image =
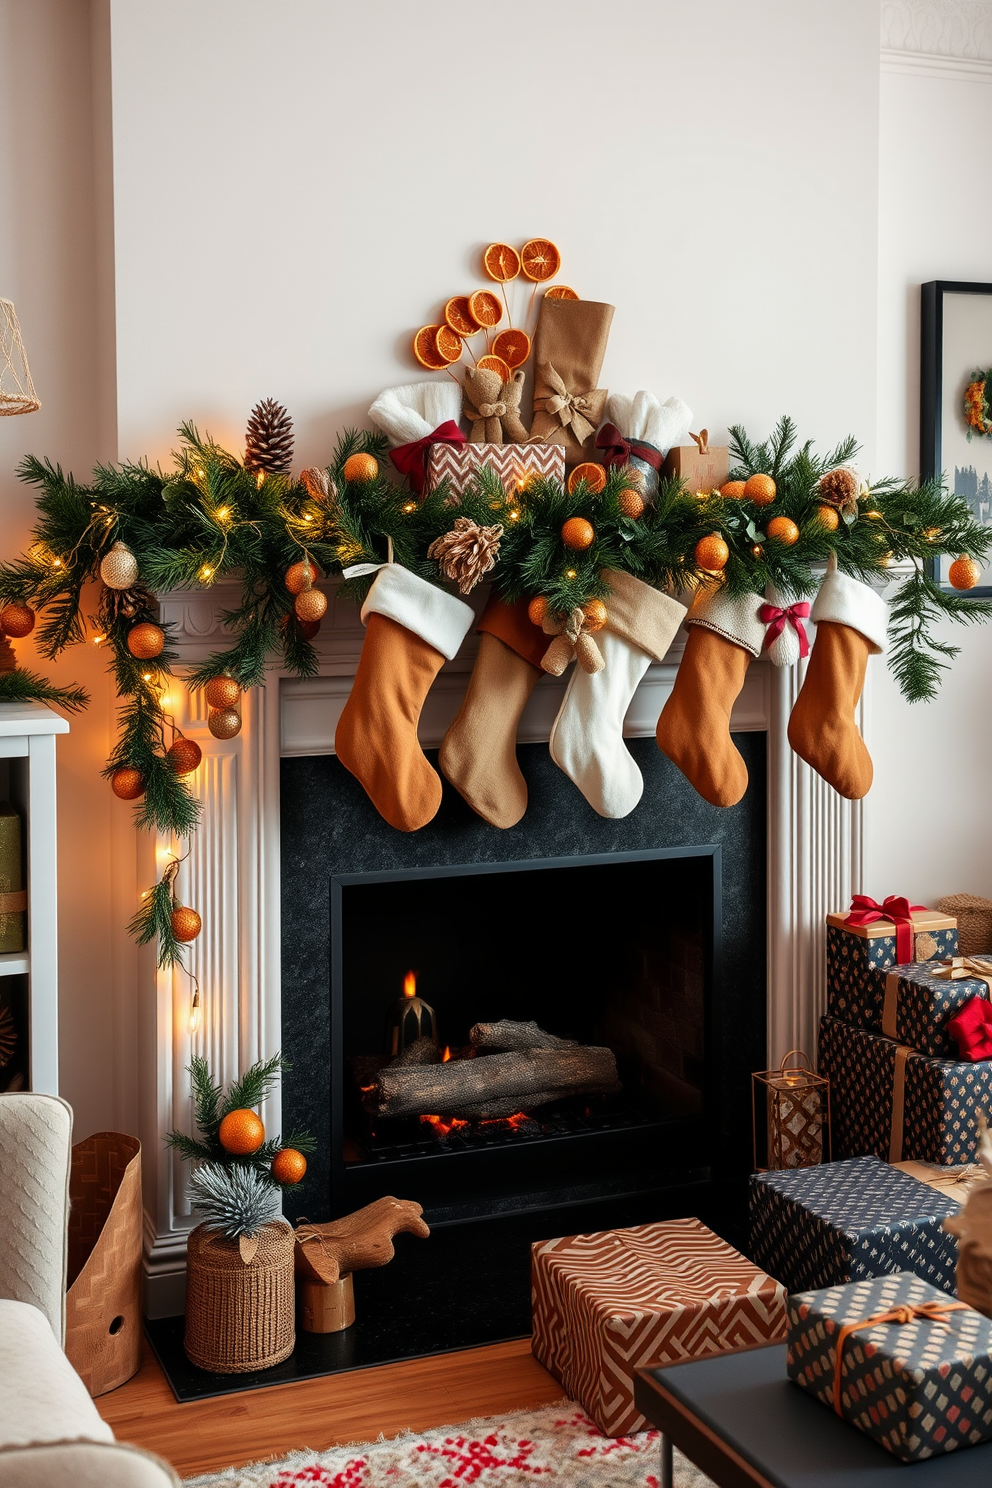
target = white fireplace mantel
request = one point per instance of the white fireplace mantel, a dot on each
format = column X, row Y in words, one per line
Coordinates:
column 232, row 874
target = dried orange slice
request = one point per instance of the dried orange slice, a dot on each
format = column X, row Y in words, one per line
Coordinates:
column 594, row 476
column 501, row 262
column 560, row 292
column 448, row 342
column 456, row 314
column 494, row 364
column 540, row 259
column 512, row 346
column 425, row 348
column 484, row 307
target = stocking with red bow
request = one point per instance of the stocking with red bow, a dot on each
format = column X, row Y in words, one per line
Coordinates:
column 414, row 417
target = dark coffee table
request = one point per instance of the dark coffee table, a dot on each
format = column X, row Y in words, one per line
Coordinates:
column 740, row 1420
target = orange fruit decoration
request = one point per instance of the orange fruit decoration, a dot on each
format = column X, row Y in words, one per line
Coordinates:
column 594, row 476
column 712, row 553
column 827, row 518
column 501, row 262
column 732, row 490
column 494, row 364
column 631, row 502
column 127, row 784
column 146, row 640
column 595, row 613
column 512, row 346
column 448, row 342
column 783, row 530
column 241, row 1132
column 456, row 315
column 540, row 259
column 425, row 348
column 537, row 609
column 964, row 572
column 577, row 533
column 288, row 1165
column 560, row 292
column 484, row 307
column 360, row 468
column 17, row 620
column 186, row 923
column 760, row 489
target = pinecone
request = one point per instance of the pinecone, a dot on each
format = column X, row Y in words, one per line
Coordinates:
column 269, row 439
column 126, row 602
column 466, row 553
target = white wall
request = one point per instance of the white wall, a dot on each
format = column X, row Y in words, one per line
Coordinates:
column 926, row 836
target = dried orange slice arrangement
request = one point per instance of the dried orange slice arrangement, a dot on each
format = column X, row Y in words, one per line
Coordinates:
column 458, row 316
column 513, row 346
column 449, row 344
column 425, row 348
column 560, row 292
column 492, row 363
column 501, row 262
column 540, row 260
column 485, row 308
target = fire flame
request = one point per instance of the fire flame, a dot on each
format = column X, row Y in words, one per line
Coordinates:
column 446, row 1055
column 410, row 984
column 443, row 1127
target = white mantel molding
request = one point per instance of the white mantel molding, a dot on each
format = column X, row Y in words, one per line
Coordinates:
column 232, row 875
column 950, row 39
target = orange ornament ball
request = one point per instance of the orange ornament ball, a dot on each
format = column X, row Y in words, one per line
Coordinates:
column 964, row 572
column 241, row 1132
column 186, row 923
column 17, row 620
column 288, row 1165
column 827, row 517
column 222, row 692
column 184, row 756
column 361, row 468
column 310, row 605
column 578, row 534
column 537, row 609
column 783, row 530
column 595, row 613
column 712, row 553
column 146, row 640
column 127, row 783
column 631, row 502
column 299, row 576
column 760, row 489
column 732, row 490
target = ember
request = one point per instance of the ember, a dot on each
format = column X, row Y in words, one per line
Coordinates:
column 444, row 1128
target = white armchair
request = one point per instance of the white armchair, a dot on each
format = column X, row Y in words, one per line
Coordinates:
column 50, row 1430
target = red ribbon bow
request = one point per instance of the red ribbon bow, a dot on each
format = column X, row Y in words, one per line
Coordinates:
column 775, row 619
column 971, row 1030
column 897, row 908
column 411, row 459
column 617, row 450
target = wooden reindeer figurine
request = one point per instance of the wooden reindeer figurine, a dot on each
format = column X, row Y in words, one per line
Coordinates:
column 327, row 1254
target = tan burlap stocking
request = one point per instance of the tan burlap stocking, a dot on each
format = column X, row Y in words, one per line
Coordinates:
column 569, row 347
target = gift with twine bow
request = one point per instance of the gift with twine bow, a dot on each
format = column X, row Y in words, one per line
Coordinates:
column 492, row 406
column 920, row 1008
column 901, row 1314
column 569, row 347
column 572, row 642
column 897, row 909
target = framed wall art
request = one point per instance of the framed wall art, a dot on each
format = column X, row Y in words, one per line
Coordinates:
column 956, row 399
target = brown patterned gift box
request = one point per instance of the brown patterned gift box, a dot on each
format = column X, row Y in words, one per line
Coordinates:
column 607, row 1304
column 513, row 463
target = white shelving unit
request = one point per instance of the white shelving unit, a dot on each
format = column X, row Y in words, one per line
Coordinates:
column 27, row 780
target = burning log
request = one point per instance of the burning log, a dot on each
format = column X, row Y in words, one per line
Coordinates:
column 506, row 1035
column 511, row 1081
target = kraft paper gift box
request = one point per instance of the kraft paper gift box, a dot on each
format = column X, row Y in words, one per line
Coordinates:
column 911, row 1004
column 856, row 952
column 849, row 1221
column 515, row 464
column 887, row 1099
column 918, row 1387
column 607, row 1304
column 702, row 470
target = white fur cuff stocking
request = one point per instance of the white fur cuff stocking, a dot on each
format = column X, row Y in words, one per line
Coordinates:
column 436, row 617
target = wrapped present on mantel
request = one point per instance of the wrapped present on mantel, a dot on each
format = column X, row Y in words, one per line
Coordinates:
column 918, row 1005
column 703, row 467
column 849, row 1221
column 873, row 937
column 897, row 1359
column 515, row 464
column 889, row 1100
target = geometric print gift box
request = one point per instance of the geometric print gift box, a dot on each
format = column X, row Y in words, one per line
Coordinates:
column 850, row 1221
column 889, row 1100
column 857, row 953
column 915, row 1003
column 515, row 464
column 916, row 1384
column 607, row 1304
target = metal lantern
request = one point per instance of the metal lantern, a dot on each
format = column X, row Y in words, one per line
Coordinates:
column 791, row 1107
column 411, row 1019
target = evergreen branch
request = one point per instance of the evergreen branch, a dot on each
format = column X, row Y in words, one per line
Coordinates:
column 206, row 1099
column 189, row 1149
column 22, row 686
column 254, row 1085
column 154, row 919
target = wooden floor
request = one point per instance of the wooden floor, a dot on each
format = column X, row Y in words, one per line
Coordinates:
column 206, row 1435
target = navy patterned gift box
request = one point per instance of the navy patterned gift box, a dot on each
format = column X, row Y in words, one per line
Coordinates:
column 888, row 1100
column 857, row 953
column 919, row 1387
column 911, row 1004
column 849, row 1221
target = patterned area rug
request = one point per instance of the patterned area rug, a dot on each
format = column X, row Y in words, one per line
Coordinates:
column 558, row 1447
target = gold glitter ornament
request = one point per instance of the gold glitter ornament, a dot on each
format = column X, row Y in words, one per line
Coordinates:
column 310, row 605
column 119, row 569
column 186, row 923
column 222, row 692
column 224, row 723
column 300, row 576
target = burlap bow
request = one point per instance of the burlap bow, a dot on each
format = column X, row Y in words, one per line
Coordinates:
column 957, row 968
column 578, row 411
column 572, row 639
column 492, row 406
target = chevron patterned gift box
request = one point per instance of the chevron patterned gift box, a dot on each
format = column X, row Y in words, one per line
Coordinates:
column 918, row 1387
column 607, row 1304
column 850, row 1221
column 856, row 954
column 513, row 463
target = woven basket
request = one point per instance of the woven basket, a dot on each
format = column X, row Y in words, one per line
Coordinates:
column 974, row 917
column 103, row 1303
column 239, row 1316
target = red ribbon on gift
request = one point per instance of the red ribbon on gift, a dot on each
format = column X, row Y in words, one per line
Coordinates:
column 617, row 450
column 971, row 1030
column 897, row 908
column 411, row 459
column 777, row 619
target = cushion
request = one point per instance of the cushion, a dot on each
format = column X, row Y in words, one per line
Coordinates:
column 35, row 1152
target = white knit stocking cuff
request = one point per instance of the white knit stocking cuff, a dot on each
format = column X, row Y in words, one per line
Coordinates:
column 437, row 618
column 847, row 601
column 641, row 615
column 644, row 417
column 735, row 618
column 416, row 409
